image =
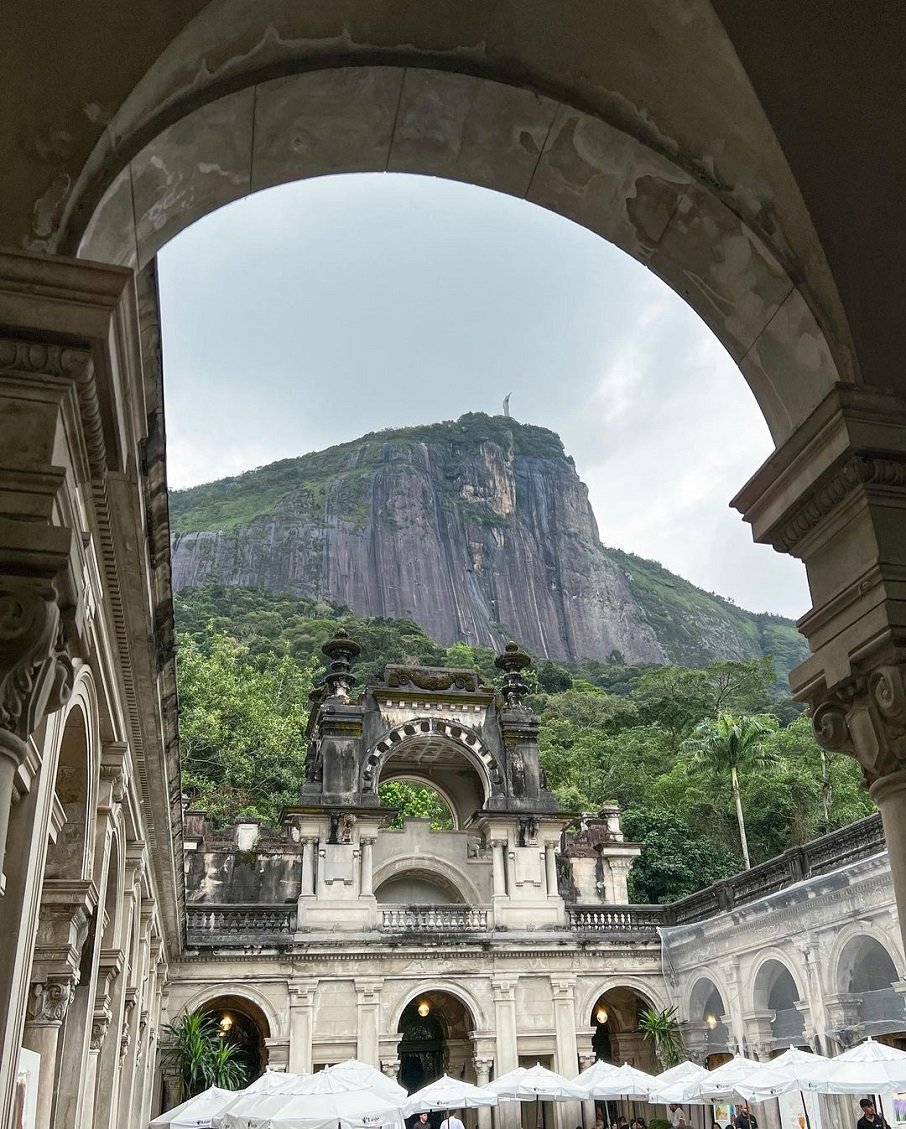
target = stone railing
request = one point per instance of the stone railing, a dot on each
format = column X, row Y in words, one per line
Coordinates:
column 434, row 919
column 227, row 926
column 830, row 852
column 635, row 920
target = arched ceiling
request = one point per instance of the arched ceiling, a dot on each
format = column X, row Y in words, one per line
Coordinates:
column 789, row 115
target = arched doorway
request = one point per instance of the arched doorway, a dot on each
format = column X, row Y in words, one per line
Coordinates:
column 777, row 996
column 707, row 1028
column 243, row 1025
column 435, row 1038
column 867, row 973
column 616, row 1038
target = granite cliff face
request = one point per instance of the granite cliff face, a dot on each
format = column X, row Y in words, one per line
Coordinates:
column 478, row 530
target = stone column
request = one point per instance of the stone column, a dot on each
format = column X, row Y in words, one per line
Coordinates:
column 48, row 1004
column 834, row 495
column 498, row 846
column 586, row 1061
column 510, row 856
column 367, row 884
column 567, row 1057
column 301, row 1013
column 368, row 1000
column 309, row 851
column 550, row 868
column 482, row 1067
column 507, row 1056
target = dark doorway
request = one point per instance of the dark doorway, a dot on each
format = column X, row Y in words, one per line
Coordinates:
column 421, row 1047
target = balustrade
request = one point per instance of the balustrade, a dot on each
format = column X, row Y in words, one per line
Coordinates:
column 222, row 925
column 435, row 919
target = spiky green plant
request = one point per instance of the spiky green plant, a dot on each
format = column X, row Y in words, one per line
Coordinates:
column 661, row 1032
column 200, row 1056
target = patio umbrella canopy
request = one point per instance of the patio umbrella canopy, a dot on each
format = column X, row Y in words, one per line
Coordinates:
column 358, row 1075
column 348, row 1109
column 276, row 1082
column 536, row 1082
column 672, row 1084
column 793, row 1070
column 625, row 1082
column 725, row 1081
column 449, row 1093
column 598, row 1072
column 869, row 1068
column 197, row 1112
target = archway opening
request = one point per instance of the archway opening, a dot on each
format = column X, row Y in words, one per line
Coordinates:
column 777, row 996
column 242, row 1025
column 432, row 761
column 419, row 886
column 416, row 798
column 67, row 856
column 868, row 973
column 707, row 1023
column 435, row 1038
column 614, row 1019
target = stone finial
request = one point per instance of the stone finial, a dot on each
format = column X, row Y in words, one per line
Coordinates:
column 342, row 651
column 512, row 661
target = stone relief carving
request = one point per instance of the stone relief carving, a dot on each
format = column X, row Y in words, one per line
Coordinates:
column 50, row 999
column 866, row 718
column 427, row 678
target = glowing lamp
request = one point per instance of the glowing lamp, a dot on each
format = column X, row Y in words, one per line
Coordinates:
column 226, row 1022
column 423, row 1008
column 601, row 1014
column 711, row 1020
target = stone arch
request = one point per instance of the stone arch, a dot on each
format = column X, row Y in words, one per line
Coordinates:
column 247, row 997
column 466, row 741
column 766, row 971
column 447, row 874
column 425, row 780
column 863, row 962
column 209, row 148
column 698, row 995
column 644, row 989
column 75, row 788
column 480, row 1020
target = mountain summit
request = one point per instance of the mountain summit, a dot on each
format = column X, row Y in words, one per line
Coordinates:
column 478, row 530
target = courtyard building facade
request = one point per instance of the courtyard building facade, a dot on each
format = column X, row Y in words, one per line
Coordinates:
column 730, row 151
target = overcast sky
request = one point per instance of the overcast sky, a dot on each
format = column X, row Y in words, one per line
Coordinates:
column 315, row 312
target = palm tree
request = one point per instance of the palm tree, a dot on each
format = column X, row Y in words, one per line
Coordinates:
column 661, row 1031
column 201, row 1057
column 728, row 743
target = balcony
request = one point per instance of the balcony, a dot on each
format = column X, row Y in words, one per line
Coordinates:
column 636, row 921
column 240, row 926
column 456, row 919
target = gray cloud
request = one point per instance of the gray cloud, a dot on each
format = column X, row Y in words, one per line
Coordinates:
column 312, row 313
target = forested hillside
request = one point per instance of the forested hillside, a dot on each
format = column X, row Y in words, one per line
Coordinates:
column 635, row 734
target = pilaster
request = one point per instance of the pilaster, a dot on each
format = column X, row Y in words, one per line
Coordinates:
column 368, row 1001
column 301, row 1013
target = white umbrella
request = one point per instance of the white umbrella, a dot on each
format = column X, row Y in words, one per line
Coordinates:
column 348, row 1109
column 726, row 1079
column 793, row 1070
column 599, row 1071
column 276, row 1082
column 449, row 1093
column 197, row 1111
column 671, row 1085
column 361, row 1076
column 626, row 1082
column 869, row 1068
column 525, row 1083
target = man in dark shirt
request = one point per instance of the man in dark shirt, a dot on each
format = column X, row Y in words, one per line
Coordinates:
column 745, row 1120
column 870, row 1119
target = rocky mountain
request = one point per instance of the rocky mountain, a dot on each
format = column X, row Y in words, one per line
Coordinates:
column 478, row 530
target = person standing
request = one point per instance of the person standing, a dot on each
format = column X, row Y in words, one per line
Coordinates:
column 744, row 1119
column 677, row 1116
column 870, row 1119
column 451, row 1122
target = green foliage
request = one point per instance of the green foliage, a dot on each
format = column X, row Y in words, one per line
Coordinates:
column 415, row 801
column 674, row 862
column 661, row 1032
column 200, row 1057
column 242, row 721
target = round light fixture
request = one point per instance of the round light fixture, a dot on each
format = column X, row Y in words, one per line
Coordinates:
column 226, row 1022
column 711, row 1020
column 601, row 1014
column 423, row 1008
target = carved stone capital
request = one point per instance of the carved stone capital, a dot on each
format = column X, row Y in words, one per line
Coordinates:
column 49, row 999
column 390, row 1067
column 865, row 717
column 36, row 674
